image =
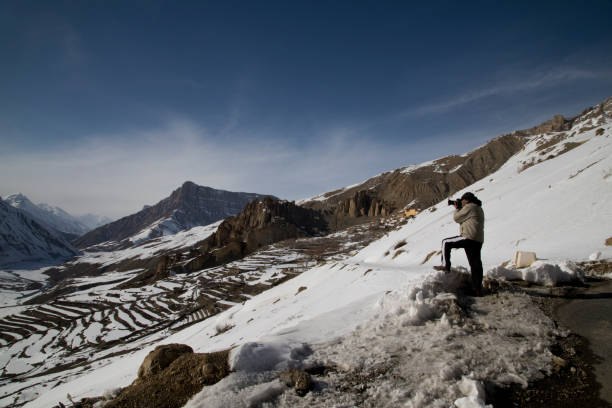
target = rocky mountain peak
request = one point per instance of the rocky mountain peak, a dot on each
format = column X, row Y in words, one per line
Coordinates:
column 51, row 217
column 18, row 200
column 188, row 206
column 188, row 189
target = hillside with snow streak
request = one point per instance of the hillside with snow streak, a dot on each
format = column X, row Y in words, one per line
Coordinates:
column 24, row 240
column 382, row 322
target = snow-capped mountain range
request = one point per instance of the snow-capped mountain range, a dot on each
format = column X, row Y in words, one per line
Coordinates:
column 377, row 314
column 24, row 239
column 187, row 207
column 56, row 217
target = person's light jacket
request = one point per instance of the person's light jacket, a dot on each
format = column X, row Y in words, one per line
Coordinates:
column 471, row 221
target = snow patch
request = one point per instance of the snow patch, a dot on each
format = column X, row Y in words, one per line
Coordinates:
column 541, row 273
column 595, row 256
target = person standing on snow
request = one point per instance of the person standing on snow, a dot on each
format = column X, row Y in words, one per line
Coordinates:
column 470, row 217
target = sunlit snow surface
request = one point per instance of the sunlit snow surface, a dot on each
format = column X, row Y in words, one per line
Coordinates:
column 145, row 250
column 381, row 307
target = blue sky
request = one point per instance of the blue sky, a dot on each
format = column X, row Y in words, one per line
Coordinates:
column 107, row 106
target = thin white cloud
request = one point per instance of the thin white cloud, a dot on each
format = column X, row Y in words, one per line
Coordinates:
column 544, row 79
column 117, row 175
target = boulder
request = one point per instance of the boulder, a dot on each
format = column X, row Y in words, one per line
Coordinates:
column 298, row 379
column 173, row 386
column 161, row 358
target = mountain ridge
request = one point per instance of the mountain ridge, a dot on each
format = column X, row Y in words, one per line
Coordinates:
column 188, row 206
column 25, row 240
column 56, row 217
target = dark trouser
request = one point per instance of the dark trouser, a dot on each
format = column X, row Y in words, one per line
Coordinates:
column 472, row 250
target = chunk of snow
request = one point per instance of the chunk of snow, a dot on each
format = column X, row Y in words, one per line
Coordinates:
column 595, row 256
column 541, row 273
column 259, row 356
column 474, row 394
column 471, row 402
column 472, row 388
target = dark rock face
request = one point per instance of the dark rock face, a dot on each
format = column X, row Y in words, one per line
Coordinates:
column 267, row 221
column 188, row 206
column 362, row 204
column 419, row 186
column 261, row 223
column 557, row 124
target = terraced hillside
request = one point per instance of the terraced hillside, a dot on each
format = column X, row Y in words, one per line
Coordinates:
column 93, row 320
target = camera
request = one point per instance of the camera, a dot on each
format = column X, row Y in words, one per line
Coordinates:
column 456, row 203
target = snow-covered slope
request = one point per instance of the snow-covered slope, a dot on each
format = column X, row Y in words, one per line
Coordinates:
column 55, row 217
column 23, row 239
column 180, row 240
column 553, row 199
column 384, row 307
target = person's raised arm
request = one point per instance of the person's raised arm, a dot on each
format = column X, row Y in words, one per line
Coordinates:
column 462, row 214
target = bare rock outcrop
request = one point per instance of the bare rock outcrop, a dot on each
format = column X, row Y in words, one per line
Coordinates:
column 183, row 375
column 362, row 204
column 161, row 358
column 557, row 124
column 261, row 223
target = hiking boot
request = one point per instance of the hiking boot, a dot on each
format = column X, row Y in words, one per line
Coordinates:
column 441, row 268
